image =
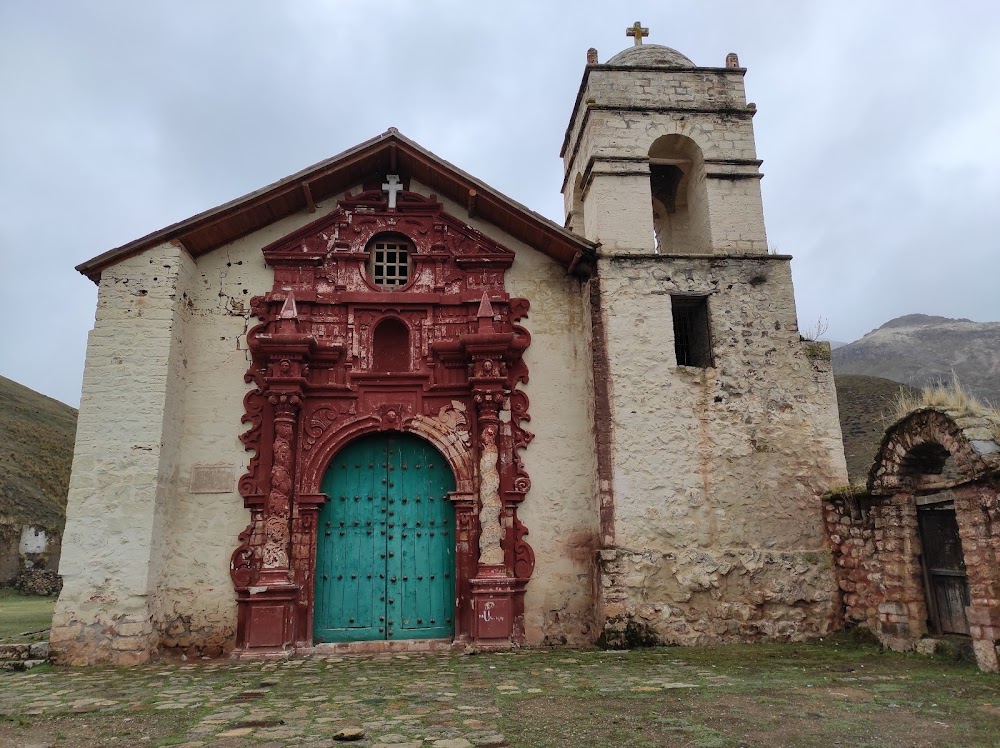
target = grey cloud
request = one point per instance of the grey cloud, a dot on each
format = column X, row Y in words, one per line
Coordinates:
column 875, row 124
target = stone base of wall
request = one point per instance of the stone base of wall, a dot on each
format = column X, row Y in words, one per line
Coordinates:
column 123, row 641
column 711, row 597
column 131, row 640
column 182, row 637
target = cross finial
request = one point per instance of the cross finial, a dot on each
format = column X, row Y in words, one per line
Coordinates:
column 638, row 31
column 392, row 186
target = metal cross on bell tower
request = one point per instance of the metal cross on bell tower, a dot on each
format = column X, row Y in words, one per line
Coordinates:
column 638, row 31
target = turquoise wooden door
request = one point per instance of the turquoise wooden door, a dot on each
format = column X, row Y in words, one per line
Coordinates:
column 385, row 547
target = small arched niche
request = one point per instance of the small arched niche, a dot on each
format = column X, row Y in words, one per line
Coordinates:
column 679, row 196
column 391, row 346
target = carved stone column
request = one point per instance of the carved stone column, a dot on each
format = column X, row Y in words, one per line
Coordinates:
column 275, row 568
column 491, row 531
column 267, row 592
column 266, row 605
column 494, row 583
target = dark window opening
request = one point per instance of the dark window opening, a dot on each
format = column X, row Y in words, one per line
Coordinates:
column 692, row 341
column 928, row 458
column 663, row 182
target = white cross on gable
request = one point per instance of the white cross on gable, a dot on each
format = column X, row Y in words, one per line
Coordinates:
column 393, row 186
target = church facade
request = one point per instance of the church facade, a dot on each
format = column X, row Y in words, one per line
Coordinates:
column 379, row 404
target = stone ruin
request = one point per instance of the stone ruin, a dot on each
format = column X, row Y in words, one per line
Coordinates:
column 916, row 554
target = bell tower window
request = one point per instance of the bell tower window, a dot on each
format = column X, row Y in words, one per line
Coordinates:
column 390, row 261
column 692, row 338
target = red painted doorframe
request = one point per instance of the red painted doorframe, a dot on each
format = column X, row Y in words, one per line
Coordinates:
column 315, row 388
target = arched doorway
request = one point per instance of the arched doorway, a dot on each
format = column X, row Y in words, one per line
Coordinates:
column 385, row 554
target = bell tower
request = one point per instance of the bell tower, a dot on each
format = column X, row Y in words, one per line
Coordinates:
column 717, row 429
column 659, row 155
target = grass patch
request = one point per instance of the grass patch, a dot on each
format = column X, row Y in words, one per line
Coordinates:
column 952, row 397
column 35, row 462
column 21, row 613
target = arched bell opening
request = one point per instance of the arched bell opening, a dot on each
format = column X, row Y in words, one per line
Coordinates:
column 385, row 550
column 679, row 196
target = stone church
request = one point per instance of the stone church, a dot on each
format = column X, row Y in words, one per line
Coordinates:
column 381, row 405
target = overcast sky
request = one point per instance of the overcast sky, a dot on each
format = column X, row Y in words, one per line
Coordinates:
column 878, row 124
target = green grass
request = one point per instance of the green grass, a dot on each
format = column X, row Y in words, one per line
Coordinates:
column 867, row 405
column 37, row 435
column 20, row 613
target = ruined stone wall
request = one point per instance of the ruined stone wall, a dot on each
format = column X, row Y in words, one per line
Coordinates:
column 978, row 509
column 861, row 534
column 877, row 554
column 717, row 472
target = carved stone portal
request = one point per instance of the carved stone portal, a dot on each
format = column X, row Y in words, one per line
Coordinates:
column 315, row 388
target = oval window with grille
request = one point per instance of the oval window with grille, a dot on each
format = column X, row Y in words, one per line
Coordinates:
column 389, row 261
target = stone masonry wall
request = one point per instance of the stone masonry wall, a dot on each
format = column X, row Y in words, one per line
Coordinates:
column 622, row 113
column 124, row 464
column 717, row 472
column 877, row 564
column 856, row 531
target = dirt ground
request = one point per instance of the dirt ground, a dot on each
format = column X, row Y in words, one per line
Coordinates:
column 833, row 693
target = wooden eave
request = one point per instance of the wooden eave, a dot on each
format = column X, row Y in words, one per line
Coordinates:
column 389, row 152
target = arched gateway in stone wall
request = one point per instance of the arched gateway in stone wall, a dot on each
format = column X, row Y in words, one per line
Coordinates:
column 917, row 555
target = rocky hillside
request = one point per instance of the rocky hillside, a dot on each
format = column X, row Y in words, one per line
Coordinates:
column 866, row 407
column 36, row 451
column 919, row 349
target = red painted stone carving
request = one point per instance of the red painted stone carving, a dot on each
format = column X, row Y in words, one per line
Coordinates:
column 444, row 367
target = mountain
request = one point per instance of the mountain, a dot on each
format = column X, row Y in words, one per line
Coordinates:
column 36, row 452
column 867, row 405
column 919, row 349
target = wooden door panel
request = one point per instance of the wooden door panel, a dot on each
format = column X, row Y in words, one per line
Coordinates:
column 944, row 569
column 385, row 552
column 350, row 572
column 424, row 588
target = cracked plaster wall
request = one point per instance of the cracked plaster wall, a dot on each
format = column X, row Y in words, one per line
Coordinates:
column 560, row 510
column 197, row 612
column 147, row 563
column 717, row 472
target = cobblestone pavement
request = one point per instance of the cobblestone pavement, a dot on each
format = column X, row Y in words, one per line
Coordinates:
column 440, row 700
column 426, row 700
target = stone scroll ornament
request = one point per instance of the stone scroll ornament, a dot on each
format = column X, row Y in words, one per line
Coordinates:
column 244, row 564
column 490, row 507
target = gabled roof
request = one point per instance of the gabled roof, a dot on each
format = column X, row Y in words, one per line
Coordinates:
column 388, row 153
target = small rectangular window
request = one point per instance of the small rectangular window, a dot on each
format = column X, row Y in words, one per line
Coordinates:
column 692, row 340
